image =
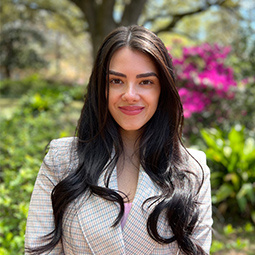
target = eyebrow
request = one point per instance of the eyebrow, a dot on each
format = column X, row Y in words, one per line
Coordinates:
column 142, row 75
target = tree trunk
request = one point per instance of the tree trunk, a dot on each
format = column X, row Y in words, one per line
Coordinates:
column 7, row 71
column 99, row 15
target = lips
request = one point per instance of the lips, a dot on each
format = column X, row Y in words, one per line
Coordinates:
column 131, row 109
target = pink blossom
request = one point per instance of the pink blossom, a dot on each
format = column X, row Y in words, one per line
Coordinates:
column 203, row 76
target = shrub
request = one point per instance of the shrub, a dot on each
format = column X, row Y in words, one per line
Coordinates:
column 203, row 77
column 32, row 84
column 36, row 121
column 232, row 161
column 241, row 109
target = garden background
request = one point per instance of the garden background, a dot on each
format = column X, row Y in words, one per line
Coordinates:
column 46, row 52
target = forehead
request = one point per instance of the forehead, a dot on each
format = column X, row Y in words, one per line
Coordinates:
column 126, row 60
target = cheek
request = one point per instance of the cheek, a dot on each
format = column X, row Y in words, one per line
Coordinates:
column 154, row 98
column 113, row 96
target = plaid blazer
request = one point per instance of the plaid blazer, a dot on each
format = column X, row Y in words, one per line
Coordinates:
column 87, row 221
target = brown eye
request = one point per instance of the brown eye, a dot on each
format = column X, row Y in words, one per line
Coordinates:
column 146, row 82
column 116, row 81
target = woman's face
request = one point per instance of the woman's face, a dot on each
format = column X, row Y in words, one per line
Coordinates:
column 134, row 89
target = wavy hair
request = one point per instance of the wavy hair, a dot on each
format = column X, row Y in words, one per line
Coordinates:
column 160, row 147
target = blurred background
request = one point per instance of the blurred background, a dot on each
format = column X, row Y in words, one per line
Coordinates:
column 47, row 49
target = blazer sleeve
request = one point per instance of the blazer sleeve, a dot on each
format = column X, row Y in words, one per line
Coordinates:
column 40, row 221
column 203, row 230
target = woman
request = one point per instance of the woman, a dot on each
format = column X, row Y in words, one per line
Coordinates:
column 125, row 184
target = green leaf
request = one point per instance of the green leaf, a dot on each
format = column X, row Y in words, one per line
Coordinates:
column 209, row 139
column 216, row 246
column 228, row 229
column 234, row 178
column 236, row 139
column 248, row 190
column 249, row 227
column 233, row 162
column 242, row 203
column 225, row 191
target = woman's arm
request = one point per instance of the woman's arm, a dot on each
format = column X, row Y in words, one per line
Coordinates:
column 203, row 230
column 40, row 221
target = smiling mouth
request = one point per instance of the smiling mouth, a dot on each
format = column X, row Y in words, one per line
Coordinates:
column 131, row 109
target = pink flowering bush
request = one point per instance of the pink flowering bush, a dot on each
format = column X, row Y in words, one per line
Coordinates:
column 203, row 77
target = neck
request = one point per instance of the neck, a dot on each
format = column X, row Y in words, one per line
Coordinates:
column 130, row 141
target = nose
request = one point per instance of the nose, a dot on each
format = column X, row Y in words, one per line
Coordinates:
column 130, row 94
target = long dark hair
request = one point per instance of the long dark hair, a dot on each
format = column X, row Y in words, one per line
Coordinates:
column 159, row 144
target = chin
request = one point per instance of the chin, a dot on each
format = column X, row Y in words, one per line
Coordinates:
column 131, row 129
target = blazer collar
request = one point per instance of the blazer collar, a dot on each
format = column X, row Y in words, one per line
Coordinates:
column 135, row 234
column 96, row 216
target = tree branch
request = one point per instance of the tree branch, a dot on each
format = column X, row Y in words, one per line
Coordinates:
column 190, row 37
column 178, row 17
column 51, row 10
column 233, row 11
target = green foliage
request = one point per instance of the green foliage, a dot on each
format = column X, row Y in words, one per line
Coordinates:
column 16, row 88
column 34, row 84
column 224, row 113
column 17, row 49
column 241, row 109
column 232, row 161
column 240, row 243
column 24, row 136
column 243, row 59
column 216, row 246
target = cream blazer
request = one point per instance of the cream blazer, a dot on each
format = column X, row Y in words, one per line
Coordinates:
column 87, row 221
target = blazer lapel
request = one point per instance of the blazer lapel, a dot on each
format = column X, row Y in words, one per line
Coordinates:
column 96, row 216
column 135, row 234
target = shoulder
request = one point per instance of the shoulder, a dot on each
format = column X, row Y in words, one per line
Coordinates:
column 63, row 143
column 63, row 147
column 62, row 157
column 196, row 162
column 197, row 155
